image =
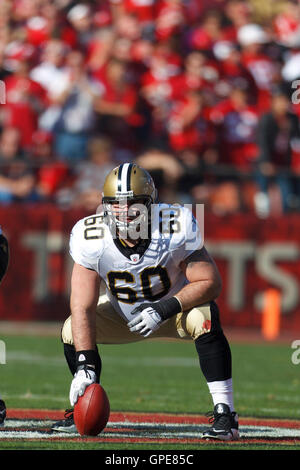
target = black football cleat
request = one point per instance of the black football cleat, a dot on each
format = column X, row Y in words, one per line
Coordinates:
column 2, row 412
column 67, row 424
column 225, row 425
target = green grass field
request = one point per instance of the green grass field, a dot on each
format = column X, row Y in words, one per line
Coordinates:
column 150, row 377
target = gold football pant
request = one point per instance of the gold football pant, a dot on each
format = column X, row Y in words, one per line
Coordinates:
column 113, row 329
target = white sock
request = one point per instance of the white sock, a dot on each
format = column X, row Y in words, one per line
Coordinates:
column 222, row 392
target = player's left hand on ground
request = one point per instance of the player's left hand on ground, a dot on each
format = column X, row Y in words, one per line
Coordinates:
column 82, row 379
column 146, row 319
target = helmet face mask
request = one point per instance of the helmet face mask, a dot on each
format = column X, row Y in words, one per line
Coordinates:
column 127, row 216
column 128, row 193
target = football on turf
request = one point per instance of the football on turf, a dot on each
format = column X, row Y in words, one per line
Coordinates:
column 91, row 412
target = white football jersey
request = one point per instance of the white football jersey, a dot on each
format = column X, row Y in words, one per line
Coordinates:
column 146, row 273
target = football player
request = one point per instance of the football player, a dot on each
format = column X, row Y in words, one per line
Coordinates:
column 160, row 283
column 4, row 258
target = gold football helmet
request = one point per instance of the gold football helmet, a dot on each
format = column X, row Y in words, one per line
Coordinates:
column 128, row 189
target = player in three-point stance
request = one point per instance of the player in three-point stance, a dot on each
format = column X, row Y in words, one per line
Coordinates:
column 4, row 258
column 159, row 284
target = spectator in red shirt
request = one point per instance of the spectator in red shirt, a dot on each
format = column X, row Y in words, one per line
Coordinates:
column 100, row 49
column 156, row 87
column 199, row 74
column 207, row 32
column 287, row 25
column 220, row 24
column 116, row 107
column 49, row 23
column 143, row 10
column 232, row 73
column 51, row 173
column 170, row 19
column 25, row 100
column 156, row 82
column 188, row 125
column 265, row 71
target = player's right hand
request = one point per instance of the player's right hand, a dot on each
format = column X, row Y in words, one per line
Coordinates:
column 82, row 379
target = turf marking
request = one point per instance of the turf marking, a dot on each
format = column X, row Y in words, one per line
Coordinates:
column 146, row 428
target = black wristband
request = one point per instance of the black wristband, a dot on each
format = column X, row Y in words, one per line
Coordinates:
column 168, row 308
column 87, row 357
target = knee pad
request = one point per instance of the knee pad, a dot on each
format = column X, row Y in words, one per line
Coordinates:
column 66, row 332
column 201, row 320
column 213, row 349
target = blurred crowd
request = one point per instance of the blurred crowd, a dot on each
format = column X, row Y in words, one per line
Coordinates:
column 202, row 93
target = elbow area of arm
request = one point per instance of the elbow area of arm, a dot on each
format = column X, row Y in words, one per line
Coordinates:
column 214, row 287
column 218, row 287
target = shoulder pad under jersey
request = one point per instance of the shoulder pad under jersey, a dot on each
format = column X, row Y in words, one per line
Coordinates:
column 87, row 241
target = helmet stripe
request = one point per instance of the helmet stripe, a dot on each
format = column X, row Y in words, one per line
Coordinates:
column 128, row 176
column 124, row 177
column 120, row 176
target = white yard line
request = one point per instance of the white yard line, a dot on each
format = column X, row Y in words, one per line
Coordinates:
column 138, row 430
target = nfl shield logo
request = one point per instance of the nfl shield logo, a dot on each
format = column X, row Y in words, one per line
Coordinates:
column 135, row 258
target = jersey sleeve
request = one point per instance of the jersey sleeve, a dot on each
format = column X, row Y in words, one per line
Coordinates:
column 84, row 251
column 188, row 237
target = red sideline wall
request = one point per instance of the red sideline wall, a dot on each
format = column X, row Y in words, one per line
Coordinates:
column 252, row 255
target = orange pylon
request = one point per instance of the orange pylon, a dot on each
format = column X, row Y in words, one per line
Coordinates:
column 271, row 314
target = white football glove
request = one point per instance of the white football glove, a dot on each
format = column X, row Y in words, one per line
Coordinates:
column 82, row 379
column 146, row 321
